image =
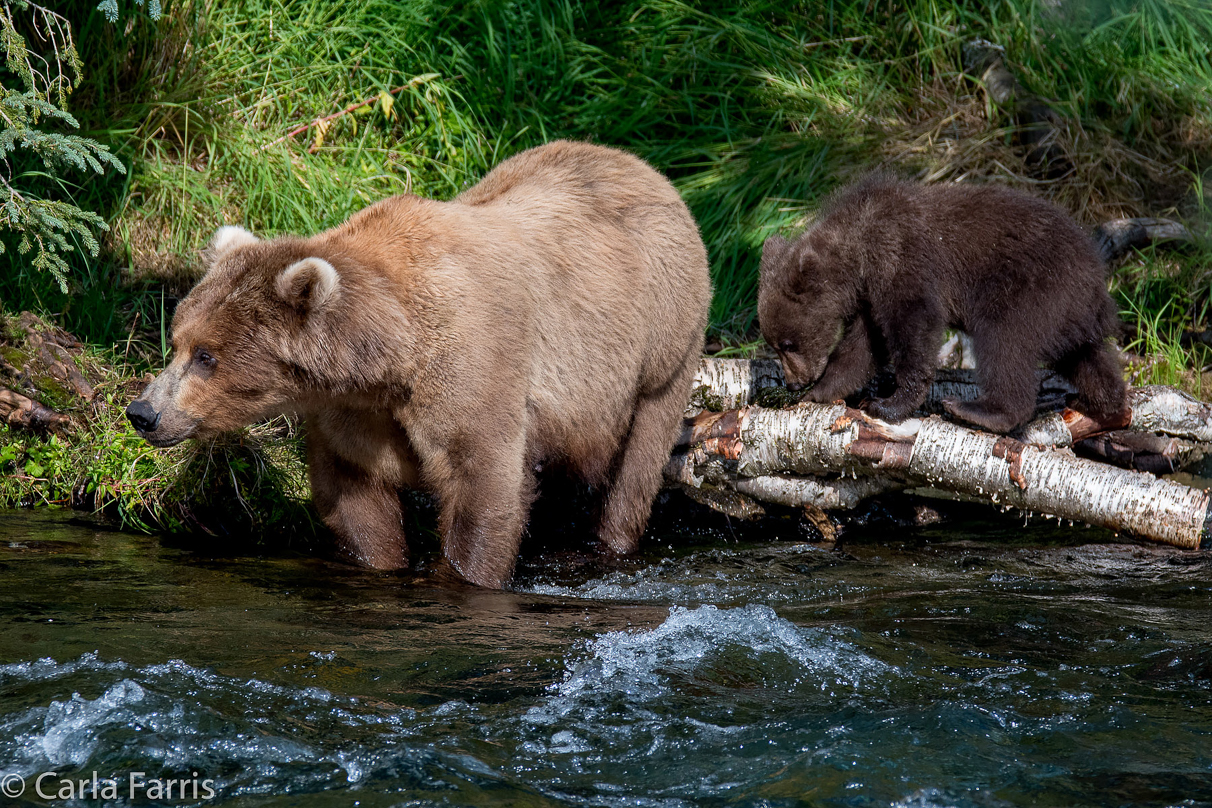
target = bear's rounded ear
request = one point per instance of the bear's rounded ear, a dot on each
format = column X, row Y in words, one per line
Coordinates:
column 309, row 285
column 229, row 237
column 774, row 248
column 776, row 251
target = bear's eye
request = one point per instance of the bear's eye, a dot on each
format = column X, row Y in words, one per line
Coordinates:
column 202, row 357
column 786, row 346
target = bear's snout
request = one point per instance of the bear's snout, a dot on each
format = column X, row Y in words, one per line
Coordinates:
column 142, row 415
column 795, row 387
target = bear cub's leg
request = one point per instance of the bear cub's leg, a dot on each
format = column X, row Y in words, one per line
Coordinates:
column 913, row 331
column 364, row 513
column 851, row 365
column 1006, row 370
column 1096, row 372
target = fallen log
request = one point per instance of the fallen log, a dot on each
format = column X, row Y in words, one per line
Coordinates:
column 832, row 456
column 22, row 411
column 1142, row 451
column 1116, row 237
column 728, row 384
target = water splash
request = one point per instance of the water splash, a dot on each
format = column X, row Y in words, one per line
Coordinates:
column 253, row 736
column 706, row 678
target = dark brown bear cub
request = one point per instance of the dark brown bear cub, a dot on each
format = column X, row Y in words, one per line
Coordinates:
column 889, row 265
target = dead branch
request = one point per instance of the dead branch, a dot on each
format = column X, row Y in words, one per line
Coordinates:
column 329, row 118
column 1037, row 121
column 21, row 411
column 1118, row 236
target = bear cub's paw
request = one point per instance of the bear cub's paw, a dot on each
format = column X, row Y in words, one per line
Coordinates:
column 889, row 409
column 981, row 414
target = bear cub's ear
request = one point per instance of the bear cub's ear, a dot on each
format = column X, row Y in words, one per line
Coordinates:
column 778, row 271
column 309, row 284
column 774, row 248
column 228, row 238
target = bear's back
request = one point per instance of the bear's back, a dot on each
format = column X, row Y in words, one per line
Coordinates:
column 566, row 173
column 963, row 235
column 573, row 272
column 604, row 245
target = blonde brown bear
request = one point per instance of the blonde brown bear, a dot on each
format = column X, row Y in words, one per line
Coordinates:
column 552, row 314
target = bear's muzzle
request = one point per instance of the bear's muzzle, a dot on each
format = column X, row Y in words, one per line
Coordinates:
column 142, row 416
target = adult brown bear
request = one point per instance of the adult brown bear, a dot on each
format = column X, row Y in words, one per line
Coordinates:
column 552, row 314
column 889, row 265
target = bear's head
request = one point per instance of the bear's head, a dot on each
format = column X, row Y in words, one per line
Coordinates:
column 239, row 338
column 802, row 306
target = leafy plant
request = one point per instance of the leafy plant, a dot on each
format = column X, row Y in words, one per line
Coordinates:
column 28, row 113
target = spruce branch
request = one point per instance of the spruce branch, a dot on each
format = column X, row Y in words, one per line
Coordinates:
column 48, row 73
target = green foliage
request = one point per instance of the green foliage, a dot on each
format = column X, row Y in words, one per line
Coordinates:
column 1162, row 296
column 754, row 109
column 245, row 484
column 47, row 226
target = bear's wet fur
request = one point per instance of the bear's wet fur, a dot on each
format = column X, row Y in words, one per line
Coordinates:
column 550, row 316
column 888, row 265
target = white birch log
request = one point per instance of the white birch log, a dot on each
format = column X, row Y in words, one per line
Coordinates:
column 1163, row 409
column 699, row 469
column 820, row 441
column 1037, row 479
column 729, row 384
column 736, row 383
column 843, row 493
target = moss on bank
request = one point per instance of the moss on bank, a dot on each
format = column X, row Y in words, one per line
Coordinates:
column 242, row 483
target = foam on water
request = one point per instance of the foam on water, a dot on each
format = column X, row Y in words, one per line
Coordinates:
column 703, row 642
column 174, row 717
column 716, row 577
column 704, row 678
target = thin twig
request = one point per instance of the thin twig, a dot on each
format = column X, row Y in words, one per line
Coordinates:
column 334, row 116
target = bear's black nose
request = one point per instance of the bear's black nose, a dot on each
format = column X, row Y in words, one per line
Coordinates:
column 794, row 387
column 142, row 415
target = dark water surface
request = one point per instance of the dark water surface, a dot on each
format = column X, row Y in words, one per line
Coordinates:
column 980, row 664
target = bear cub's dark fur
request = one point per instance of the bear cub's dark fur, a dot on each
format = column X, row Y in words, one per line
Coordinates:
column 890, row 264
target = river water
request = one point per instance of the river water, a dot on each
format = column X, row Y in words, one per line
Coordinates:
column 977, row 664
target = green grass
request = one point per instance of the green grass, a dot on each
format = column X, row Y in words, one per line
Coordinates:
column 754, row 109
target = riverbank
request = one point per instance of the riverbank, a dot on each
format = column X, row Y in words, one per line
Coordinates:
column 288, row 119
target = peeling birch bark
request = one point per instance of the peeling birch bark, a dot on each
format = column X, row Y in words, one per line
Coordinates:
column 812, row 440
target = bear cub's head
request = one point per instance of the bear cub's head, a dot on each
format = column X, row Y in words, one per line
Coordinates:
column 802, row 306
column 233, row 338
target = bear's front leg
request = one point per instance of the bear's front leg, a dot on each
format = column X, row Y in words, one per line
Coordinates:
column 913, row 333
column 484, row 490
column 363, row 512
column 482, row 515
column 851, row 365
